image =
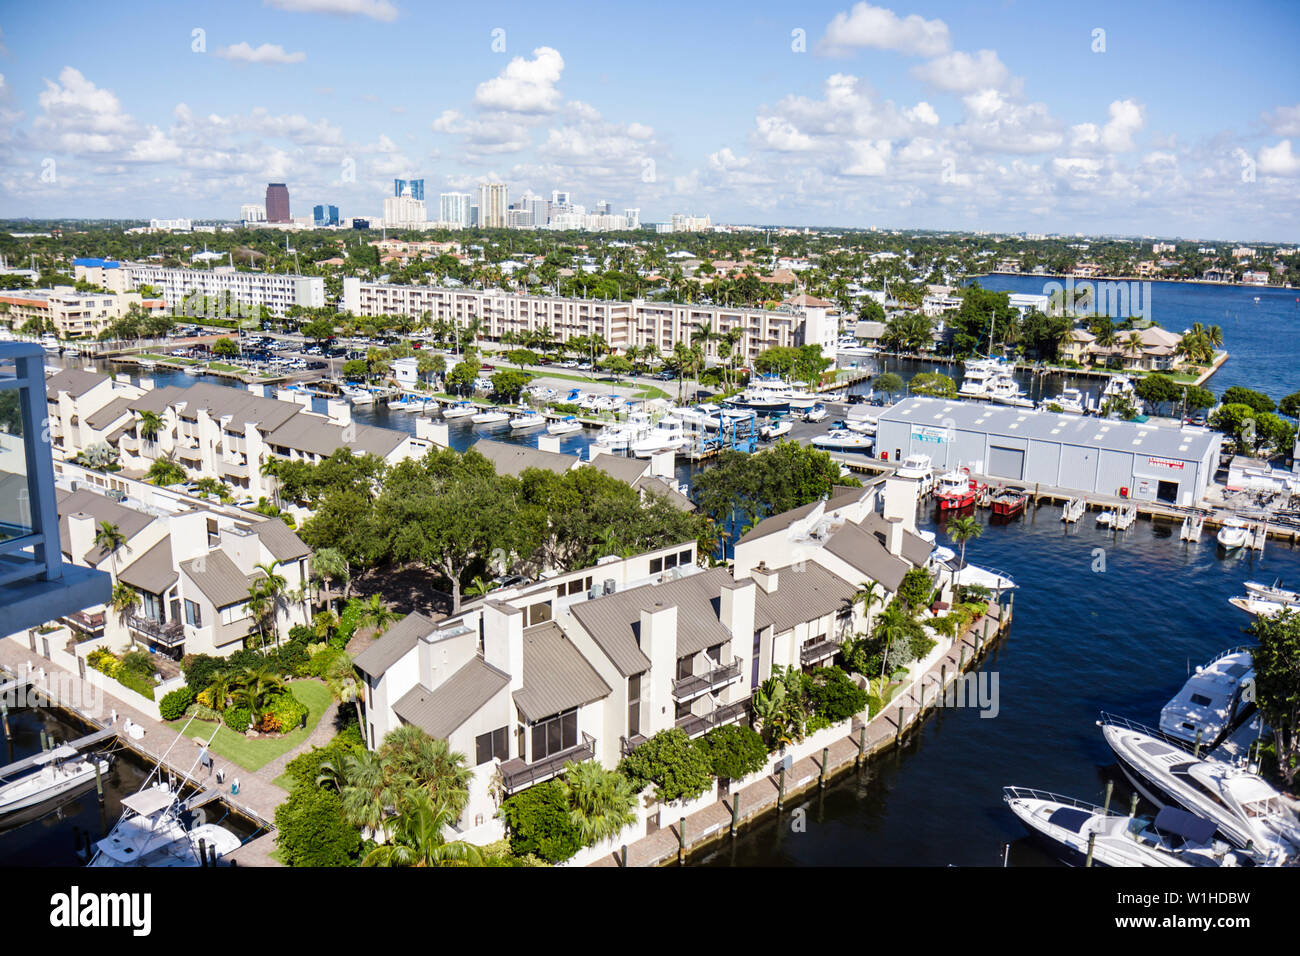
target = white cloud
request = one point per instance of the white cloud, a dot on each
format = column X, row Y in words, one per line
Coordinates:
column 724, row 160
column 75, row 104
column 868, row 157
column 959, row 72
column 997, row 123
column 779, row 134
column 266, row 53
column 375, row 9
column 866, row 26
column 524, row 86
column 1284, row 121
column 1279, row 160
column 922, row 113
column 1125, row 119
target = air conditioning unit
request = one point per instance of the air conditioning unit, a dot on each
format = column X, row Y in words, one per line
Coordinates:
column 595, row 592
column 610, row 585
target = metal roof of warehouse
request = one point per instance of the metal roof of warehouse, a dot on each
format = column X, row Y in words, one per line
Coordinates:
column 1187, row 443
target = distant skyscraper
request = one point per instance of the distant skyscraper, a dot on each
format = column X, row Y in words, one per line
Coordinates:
column 277, row 203
column 252, row 212
column 559, row 198
column 473, row 214
column 326, row 215
column 602, row 208
column 633, row 217
column 415, row 187
column 454, row 208
column 493, row 199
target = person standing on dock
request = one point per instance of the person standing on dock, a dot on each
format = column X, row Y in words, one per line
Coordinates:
column 205, row 759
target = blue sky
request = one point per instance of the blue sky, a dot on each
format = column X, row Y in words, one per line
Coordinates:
column 1181, row 119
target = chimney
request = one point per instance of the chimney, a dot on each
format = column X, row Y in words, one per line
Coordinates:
column 437, row 432
column 736, row 609
column 81, row 536
column 766, row 578
column 549, row 443
column 901, row 496
column 503, row 640
column 664, row 464
column 658, row 640
column 340, row 412
column 894, row 536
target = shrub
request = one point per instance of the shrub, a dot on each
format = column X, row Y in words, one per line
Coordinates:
column 734, row 751
column 289, row 658
column 306, row 767
column 173, row 705
column 311, row 830
column 237, row 719
column 301, row 634
column 834, row 695
column 202, row 711
column 135, row 682
column 200, row 669
column 283, row 713
column 671, row 761
column 815, row 723
column 539, row 823
column 348, row 621
column 139, row 663
column 321, row 663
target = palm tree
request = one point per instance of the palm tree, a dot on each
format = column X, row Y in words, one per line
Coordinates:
column 867, row 596
column 327, row 566
column 600, row 801
column 427, row 764
column 124, row 601
column 375, row 613
column 149, row 424
column 255, row 685
column 109, row 537
column 961, row 530
column 1133, row 345
column 418, row 840
column 344, row 687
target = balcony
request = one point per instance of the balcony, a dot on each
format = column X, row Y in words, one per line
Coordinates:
column 727, row 714
column 87, row 623
column 516, row 774
column 627, row 744
column 168, row 635
column 818, row 650
column 697, row 684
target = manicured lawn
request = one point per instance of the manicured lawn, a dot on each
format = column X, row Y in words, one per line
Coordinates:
column 223, row 367
column 253, row 753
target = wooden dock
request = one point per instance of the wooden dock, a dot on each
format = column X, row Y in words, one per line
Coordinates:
column 81, row 743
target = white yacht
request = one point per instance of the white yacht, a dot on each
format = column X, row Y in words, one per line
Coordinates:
column 919, row 468
column 61, row 770
column 527, row 420
column 845, row 441
column 1273, row 592
column 1246, row 810
column 1119, row 386
column 1002, row 388
column 1208, row 702
column 564, row 426
column 766, row 395
column 490, row 416
column 977, row 376
column 459, row 410
column 152, row 832
column 1071, row 400
column 1233, row 534
column 617, row 436
column 668, row 434
column 1065, row 827
column 403, row 404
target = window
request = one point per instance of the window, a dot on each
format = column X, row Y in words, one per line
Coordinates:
column 233, row 612
column 684, row 557
column 685, row 667
column 151, row 606
column 491, row 746
column 656, row 565
column 193, row 615
column 539, row 613
column 670, row 561
column 555, row 734
column 579, row 585
column 1201, row 700
column 634, row 705
column 715, row 654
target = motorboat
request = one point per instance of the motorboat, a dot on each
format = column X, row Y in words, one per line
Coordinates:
column 861, row 421
column 1008, row 503
column 843, row 440
column 668, row 434
column 460, row 410
column 1071, row 400
column 1003, row 390
column 526, row 420
column 1071, row 830
column 776, row 429
column 156, row 829
column 977, row 376
column 51, row 345
column 490, row 416
column 815, row 414
column 59, row 771
column 1245, row 810
column 1207, row 705
column 956, row 489
column 1234, row 534
column 766, row 396
column 564, row 426
column 1106, row 518
column 1119, row 386
column 193, row 370
column 1257, row 607
column 918, row 467
column 403, row 405
column 359, row 396
column 1273, row 592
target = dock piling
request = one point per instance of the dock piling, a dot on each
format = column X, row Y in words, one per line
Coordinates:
column 821, row 776
column 1092, row 838
column 681, row 841
column 1110, row 789
column 1133, row 806
column 862, row 745
column 735, row 811
column 99, row 781
column 45, row 742
column 622, row 856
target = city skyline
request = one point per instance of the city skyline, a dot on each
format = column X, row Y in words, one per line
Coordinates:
column 848, row 115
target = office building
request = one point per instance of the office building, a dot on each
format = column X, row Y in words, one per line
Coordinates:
column 409, row 187
column 277, row 203
column 325, row 215
column 252, row 212
column 405, row 212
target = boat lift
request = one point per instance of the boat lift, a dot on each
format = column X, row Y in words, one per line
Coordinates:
column 737, row 431
column 1193, row 524
column 1073, row 510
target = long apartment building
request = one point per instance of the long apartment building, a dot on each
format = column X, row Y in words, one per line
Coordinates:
column 73, row 314
column 275, row 291
column 639, row 323
column 589, row 664
column 212, row 431
column 189, row 563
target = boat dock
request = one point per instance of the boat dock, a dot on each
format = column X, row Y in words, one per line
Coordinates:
column 81, row 743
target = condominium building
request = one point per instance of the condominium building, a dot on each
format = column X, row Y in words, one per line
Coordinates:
column 251, row 212
column 639, row 322
column 275, row 291
column 453, row 208
column 409, row 187
column 405, row 211
column 277, row 203
column 171, row 225
column 73, row 314
column 493, row 200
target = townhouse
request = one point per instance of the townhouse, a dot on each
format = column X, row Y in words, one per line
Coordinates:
column 589, row 664
column 73, row 314
column 86, row 408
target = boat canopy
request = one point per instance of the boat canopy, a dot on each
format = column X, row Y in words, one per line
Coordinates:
column 1193, row 829
column 149, row 801
column 61, row 752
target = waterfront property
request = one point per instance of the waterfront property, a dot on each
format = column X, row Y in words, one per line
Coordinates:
column 73, row 314
column 588, row 664
column 231, row 288
column 1098, row 456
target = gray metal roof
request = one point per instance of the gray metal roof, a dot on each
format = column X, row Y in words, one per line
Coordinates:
column 624, row 469
column 863, row 550
column 220, row 401
column 75, row 381
column 556, row 675
column 915, row 548
column 614, row 621
column 652, row 484
column 218, row 578
column 839, row 498
column 395, row 644
column 110, row 413
column 1186, row 443
column 153, row 571
column 803, row 593
column 283, row 544
column 315, row 435
column 85, row 501
column 440, row 711
column 510, row 459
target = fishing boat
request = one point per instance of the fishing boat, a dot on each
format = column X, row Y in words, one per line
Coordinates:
column 153, row 831
column 59, row 771
column 359, row 396
column 526, row 420
column 1008, row 503
column 147, row 364
column 1273, row 592
column 564, row 426
column 1106, row 518
column 815, row 414
column 1080, row 834
column 402, row 405
column 776, row 429
column 845, row 441
column 1245, row 810
column 956, row 489
column 1233, row 534
column 490, row 416
column 1257, row 607
column 459, row 410
column 193, row 370
column 1207, row 705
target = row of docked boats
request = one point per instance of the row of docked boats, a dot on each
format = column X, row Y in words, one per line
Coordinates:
column 1212, row 811
column 1266, row 600
column 994, row 380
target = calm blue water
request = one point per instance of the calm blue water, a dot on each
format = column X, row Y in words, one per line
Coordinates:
column 1081, row 642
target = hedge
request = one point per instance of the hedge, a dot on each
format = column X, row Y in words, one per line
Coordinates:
column 539, row 823
column 174, row 705
column 238, row 719
column 311, row 829
column 734, row 751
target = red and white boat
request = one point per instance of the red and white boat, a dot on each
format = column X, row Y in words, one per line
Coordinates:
column 1008, row 503
column 956, row 489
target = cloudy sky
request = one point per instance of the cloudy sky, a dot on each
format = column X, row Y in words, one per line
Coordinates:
column 1135, row 118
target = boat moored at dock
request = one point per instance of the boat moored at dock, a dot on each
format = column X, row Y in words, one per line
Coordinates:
column 1208, row 703
column 956, row 489
column 490, row 416
column 1233, row 534
column 60, row 771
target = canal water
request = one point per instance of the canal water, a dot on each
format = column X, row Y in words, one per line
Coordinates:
column 48, row 835
column 1102, row 621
